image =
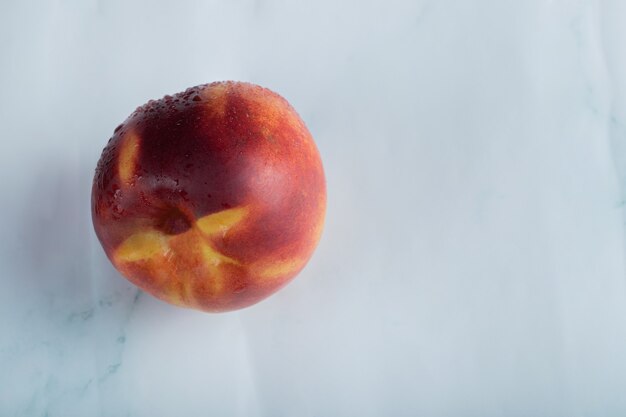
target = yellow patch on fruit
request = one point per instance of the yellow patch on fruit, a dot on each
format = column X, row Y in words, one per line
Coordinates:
column 217, row 98
column 265, row 116
column 222, row 221
column 280, row 268
column 214, row 258
column 142, row 246
column 127, row 160
column 188, row 251
column 319, row 226
column 269, row 111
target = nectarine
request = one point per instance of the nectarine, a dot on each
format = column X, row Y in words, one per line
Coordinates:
column 213, row 198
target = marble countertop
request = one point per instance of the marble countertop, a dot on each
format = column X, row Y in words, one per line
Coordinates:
column 473, row 258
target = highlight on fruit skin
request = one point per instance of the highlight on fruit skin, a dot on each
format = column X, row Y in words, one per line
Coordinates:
column 213, row 198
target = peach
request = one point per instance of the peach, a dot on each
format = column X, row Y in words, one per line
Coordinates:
column 213, row 198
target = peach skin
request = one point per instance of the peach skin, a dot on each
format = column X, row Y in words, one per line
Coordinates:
column 213, row 198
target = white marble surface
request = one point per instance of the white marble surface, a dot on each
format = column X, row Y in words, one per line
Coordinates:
column 473, row 261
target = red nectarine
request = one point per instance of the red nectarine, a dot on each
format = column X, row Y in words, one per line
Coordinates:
column 213, row 198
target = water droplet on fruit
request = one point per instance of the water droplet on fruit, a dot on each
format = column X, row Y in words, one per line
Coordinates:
column 196, row 98
column 118, row 128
